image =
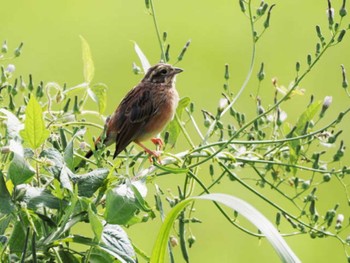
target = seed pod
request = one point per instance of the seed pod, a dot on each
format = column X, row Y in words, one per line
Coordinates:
column 18, row 50
column 4, row 47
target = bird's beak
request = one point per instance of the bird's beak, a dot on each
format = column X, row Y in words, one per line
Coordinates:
column 177, row 70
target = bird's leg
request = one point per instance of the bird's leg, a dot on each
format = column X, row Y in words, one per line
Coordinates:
column 150, row 152
column 158, row 142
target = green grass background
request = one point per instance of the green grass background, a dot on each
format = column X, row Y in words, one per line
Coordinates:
column 220, row 34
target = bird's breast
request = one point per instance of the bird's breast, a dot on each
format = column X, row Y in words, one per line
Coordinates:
column 166, row 103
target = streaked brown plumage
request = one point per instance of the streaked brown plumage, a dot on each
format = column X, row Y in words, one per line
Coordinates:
column 144, row 111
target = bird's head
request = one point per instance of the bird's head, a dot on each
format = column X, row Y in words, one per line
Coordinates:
column 161, row 73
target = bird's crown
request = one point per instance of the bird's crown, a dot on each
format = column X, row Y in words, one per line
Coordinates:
column 161, row 73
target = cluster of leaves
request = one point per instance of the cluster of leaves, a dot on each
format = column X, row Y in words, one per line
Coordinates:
column 42, row 197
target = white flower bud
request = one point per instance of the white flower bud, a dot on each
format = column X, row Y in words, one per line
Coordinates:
column 10, row 68
column 340, row 218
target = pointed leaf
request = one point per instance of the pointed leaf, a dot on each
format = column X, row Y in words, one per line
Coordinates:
column 89, row 183
column 17, row 238
column 6, row 205
column 68, row 155
column 307, row 116
column 98, row 93
column 243, row 208
column 121, row 202
column 116, row 242
column 144, row 61
column 34, row 132
column 20, row 171
column 64, row 178
column 88, row 64
column 95, row 223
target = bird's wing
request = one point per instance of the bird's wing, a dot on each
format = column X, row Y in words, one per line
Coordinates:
column 131, row 116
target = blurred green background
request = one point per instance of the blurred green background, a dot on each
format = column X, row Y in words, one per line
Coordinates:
column 220, row 34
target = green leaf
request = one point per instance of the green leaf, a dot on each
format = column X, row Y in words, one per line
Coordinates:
column 20, row 171
column 174, row 128
column 89, row 183
column 17, row 239
column 5, row 222
column 56, row 158
column 140, row 191
column 243, row 208
column 89, row 69
column 307, row 116
column 64, row 178
column 116, row 242
column 100, row 256
column 68, row 155
column 58, row 167
column 13, row 125
column 6, row 205
column 36, row 197
column 67, row 256
column 34, row 132
column 95, row 223
column 144, row 61
column 121, row 203
column 98, row 93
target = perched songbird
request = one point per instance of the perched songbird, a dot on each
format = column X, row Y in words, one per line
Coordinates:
column 144, row 111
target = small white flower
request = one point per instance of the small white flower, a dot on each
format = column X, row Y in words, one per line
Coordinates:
column 330, row 13
column 222, row 104
column 283, row 116
column 340, row 218
column 10, row 68
column 327, row 102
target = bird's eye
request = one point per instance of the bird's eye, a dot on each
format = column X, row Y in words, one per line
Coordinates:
column 163, row 72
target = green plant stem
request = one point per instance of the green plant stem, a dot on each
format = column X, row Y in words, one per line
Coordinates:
column 76, row 123
column 251, row 189
column 157, row 30
column 285, row 97
column 245, row 83
column 184, row 131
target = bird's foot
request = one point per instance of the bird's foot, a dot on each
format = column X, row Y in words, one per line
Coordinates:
column 158, row 142
column 150, row 152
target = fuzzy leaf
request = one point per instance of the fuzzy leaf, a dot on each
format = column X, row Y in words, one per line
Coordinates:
column 34, row 132
column 89, row 183
column 117, row 243
column 36, row 197
column 144, row 61
column 174, row 127
column 57, row 161
column 88, row 64
column 98, row 93
column 13, row 124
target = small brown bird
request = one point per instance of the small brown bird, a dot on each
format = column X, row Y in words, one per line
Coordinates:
column 144, row 111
